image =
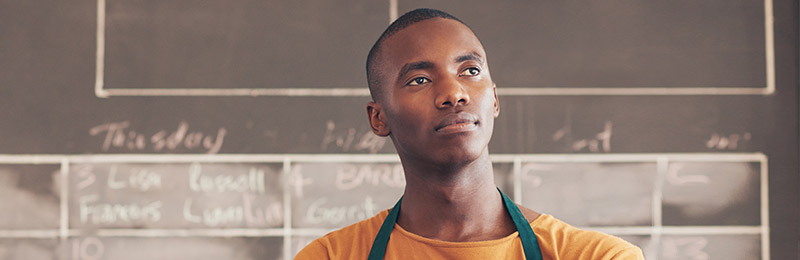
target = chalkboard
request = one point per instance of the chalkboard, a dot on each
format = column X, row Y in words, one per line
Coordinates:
column 236, row 129
column 658, row 201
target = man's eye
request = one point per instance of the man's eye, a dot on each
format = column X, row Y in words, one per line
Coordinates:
column 418, row 81
column 470, row 72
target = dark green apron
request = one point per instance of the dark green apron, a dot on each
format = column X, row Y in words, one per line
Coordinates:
column 529, row 243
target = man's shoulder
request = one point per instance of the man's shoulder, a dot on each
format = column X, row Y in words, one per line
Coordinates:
column 568, row 241
column 344, row 242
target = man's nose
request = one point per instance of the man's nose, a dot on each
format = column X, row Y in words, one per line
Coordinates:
column 450, row 93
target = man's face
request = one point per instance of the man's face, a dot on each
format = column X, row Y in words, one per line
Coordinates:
column 438, row 101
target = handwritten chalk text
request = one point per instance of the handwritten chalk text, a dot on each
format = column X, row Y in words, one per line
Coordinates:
column 138, row 179
column 600, row 142
column 319, row 212
column 246, row 213
column 350, row 176
column 253, row 181
column 117, row 135
column 345, row 139
column 727, row 142
column 109, row 213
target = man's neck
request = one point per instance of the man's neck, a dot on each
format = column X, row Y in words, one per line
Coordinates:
column 461, row 204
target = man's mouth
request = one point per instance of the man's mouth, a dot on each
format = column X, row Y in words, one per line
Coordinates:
column 455, row 123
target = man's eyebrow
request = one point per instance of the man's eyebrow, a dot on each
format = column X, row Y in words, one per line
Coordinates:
column 419, row 65
column 470, row 56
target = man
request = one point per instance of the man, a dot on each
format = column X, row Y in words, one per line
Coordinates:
column 434, row 97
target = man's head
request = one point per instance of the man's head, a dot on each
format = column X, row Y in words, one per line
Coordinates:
column 374, row 77
column 435, row 96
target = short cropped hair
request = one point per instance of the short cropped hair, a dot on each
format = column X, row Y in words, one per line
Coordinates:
column 374, row 77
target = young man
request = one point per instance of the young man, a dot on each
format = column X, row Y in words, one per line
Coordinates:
column 434, row 97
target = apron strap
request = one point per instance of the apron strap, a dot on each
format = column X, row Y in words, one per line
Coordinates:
column 529, row 243
column 382, row 239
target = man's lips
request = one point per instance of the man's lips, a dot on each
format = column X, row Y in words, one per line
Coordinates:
column 457, row 122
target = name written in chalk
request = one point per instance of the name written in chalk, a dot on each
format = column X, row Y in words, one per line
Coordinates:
column 136, row 195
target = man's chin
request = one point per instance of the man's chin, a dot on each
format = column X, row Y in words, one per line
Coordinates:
column 459, row 157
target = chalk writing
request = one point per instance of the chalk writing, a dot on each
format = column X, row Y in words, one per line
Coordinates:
column 86, row 174
column 319, row 212
column 674, row 176
column 117, row 135
column 599, row 142
column 108, row 213
column 246, row 213
column 350, row 176
column 727, row 142
column 345, row 139
column 253, row 181
column 213, row 216
column 139, row 179
column 89, row 248
column 269, row 215
column 297, row 180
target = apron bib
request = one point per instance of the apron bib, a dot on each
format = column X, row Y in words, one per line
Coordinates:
column 529, row 243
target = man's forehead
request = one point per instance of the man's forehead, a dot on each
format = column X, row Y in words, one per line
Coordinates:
column 432, row 38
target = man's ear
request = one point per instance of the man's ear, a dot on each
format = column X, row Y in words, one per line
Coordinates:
column 496, row 101
column 377, row 119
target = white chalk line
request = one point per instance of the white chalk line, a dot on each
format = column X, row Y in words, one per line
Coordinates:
column 679, row 230
column 101, row 51
column 367, row 158
column 64, row 200
column 769, row 42
column 765, row 244
column 392, row 10
column 501, row 91
column 287, row 209
column 221, row 232
column 316, row 232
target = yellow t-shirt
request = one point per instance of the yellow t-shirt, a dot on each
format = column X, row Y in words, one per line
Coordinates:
column 558, row 241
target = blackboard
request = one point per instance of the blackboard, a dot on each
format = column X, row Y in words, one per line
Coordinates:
column 236, row 129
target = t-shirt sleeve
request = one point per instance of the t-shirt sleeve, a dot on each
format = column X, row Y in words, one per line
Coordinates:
column 630, row 253
column 315, row 250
